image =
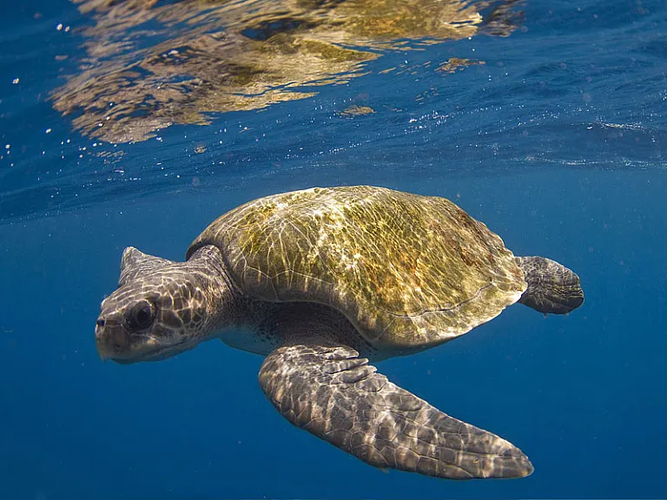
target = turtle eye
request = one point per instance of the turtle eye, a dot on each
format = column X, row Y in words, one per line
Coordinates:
column 140, row 316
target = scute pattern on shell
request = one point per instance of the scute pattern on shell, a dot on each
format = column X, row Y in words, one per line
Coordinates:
column 408, row 270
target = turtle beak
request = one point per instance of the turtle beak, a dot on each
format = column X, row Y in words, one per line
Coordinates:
column 115, row 343
column 111, row 339
column 99, row 339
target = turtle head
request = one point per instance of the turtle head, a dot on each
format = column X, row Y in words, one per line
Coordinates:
column 161, row 307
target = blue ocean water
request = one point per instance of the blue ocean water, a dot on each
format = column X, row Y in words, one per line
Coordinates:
column 557, row 142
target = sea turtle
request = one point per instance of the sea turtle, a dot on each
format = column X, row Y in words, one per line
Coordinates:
column 323, row 282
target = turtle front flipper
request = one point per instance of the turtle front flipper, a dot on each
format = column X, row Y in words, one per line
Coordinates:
column 552, row 287
column 333, row 393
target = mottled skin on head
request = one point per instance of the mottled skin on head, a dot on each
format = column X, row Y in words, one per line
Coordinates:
column 323, row 281
column 163, row 307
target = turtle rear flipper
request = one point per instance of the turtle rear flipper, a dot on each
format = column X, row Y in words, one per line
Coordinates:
column 337, row 396
column 552, row 287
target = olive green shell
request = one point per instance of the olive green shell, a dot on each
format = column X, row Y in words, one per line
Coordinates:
column 409, row 271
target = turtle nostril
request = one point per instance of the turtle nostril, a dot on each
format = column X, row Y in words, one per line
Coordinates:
column 100, row 323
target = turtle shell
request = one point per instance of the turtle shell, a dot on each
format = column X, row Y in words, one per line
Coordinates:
column 408, row 271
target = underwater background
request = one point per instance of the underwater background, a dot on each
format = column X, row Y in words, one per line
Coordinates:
column 138, row 122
